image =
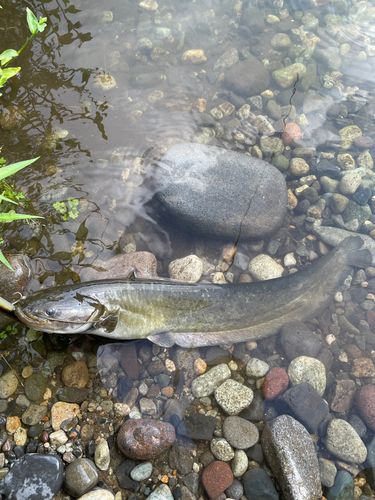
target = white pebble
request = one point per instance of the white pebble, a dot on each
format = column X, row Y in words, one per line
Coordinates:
column 330, row 339
column 289, row 260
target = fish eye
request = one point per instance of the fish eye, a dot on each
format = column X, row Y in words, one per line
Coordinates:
column 50, row 312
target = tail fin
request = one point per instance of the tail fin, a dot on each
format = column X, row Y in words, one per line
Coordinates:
column 351, row 253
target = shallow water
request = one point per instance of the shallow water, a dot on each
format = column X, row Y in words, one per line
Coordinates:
column 93, row 182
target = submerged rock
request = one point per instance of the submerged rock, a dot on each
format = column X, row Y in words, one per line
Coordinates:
column 221, row 193
column 290, row 452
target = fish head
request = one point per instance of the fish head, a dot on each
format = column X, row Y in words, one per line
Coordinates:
column 54, row 311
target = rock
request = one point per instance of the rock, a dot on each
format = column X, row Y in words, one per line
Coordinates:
column 8, row 384
column 32, row 477
column 305, row 404
column 102, row 457
column 350, row 182
column 122, row 474
column 161, row 492
column 285, row 77
column 180, row 459
column 263, row 267
column 275, row 383
column 310, row 370
column 329, row 58
column 80, row 476
column 362, row 367
column 143, row 439
column 15, row 281
column 104, row 82
column 143, row 264
column 298, row 167
column 298, row 340
column 240, row 433
column 235, row 491
column 365, row 399
column 328, row 472
column 129, row 360
column 221, row 449
column 34, row 414
column 141, row 471
column 188, row 269
column 343, row 442
column 192, row 482
column 233, row 397
column 75, row 375
column 341, row 395
column 290, row 452
column 291, row 132
column 72, row 394
column 273, row 146
column 343, row 489
column 256, row 368
column 98, row 494
column 258, row 485
column 206, row 384
column 58, row 438
column 338, row 203
column 35, row 385
column 188, row 170
column 247, row 78
column 226, row 60
column 61, row 412
column 195, row 56
column 216, row 478
column 197, row 426
column 281, row 42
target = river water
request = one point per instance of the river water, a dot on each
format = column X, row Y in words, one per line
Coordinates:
column 105, row 90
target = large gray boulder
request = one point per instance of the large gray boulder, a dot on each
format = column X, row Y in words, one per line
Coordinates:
column 221, row 193
column 247, row 78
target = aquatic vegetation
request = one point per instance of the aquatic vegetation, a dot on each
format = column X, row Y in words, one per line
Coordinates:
column 9, row 330
column 69, row 212
column 8, row 55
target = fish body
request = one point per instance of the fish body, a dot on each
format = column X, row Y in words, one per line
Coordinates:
column 198, row 314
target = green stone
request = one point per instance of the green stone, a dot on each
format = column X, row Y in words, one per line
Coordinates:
column 288, row 76
column 35, row 385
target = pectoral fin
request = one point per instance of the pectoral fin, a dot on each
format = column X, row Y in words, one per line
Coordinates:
column 165, row 339
column 107, row 324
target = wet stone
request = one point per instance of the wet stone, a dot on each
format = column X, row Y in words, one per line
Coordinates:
column 239, row 463
column 121, row 266
column 197, row 426
column 290, row 452
column 328, row 472
column 123, row 472
column 98, row 494
column 247, row 78
column 275, row 383
column 206, row 384
column 35, row 385
column 298, row 340
column 102, row 457
column 75, row 375
column 343, row 489
column 256, row 368
column 341, row 395
column 62, row 412
column 192, row 482
column 221, row 449
column 216, row 478
column 233, row 397
column 240, row 433
column 180, row 459
column 8, row 384
column 80, row 476
column 235, row 491
column 72, row 394
column 141, row 471
column 143, row 439
column 129, row 360
column 343, row 442
column 258, row 485
column 310, row 370
column 305, row 404
column 161, row 492
column 32, row 477
column 365, row 399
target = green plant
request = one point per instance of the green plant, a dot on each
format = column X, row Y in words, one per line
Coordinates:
column 9, row 196
column 9, row 330
column 9, row 55
column 68, row 213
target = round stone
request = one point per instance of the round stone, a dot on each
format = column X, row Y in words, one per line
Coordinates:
column 281, row 42
column 98, row 494
column 205, row 384
column 102, row 457
column 75, row 375
column 8, row 384
column 240, row 463
column 298, row 167
column 365, row 399
column 194, row 56
column 104, row 82
column 221, row 449
column 350, row 183
column 201, row 186
column 80, row 476
column 298, row 340
column 233, row 397
column 285, row 77
column 309, row 370
column 240, row 433
column 263, row 267
column 141, row 471
column 188, row 269
column 247, row 78
column 256, row 368
column 343, row 442
column 216, row 478
column 275, row 383
column 35, row 385
column 143, row 439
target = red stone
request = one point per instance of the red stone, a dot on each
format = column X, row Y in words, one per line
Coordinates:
column 129, row 360
column 365, row 400
column 371, row 317
column 216, row 478
column 275, row 383
column 291, row 133
column 143, row 439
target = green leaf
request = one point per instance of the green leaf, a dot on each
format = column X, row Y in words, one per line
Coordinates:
column 9, row 72
column 42, row 24
column 32, row 21
column 4, row 261
column 15, row 167
column 7, row 56
column 7, row 199
column 9, row 217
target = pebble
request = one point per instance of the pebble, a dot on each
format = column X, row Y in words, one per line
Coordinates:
column 256, row 368
column 235, row 491
column 192, row 482
column 143, row 439
column 263, row 267
column 240, row 433
column 341, row 395
column 233, row 397
column 104, row 82
column 258, row 485
column 216, row 478
column 310, row 370
column 275, row 383
column 240, row 463
column 290, row 451
column 194, row 56
column 75, row 375
column 58, row 438
column 34, row 476
column 197, row 426
column 343, row 442
column 350, row 183
column 181, row 459
column 102, row 457
column 362, row 367
column 365, row 399
column 206, row 384
column 285, row 77
column 98, row 494
column 187, row 269
column 141, row 471
column 200, row 366
column 221, row 449
column 297, row 340
column 34, row 414
column 63, row 411
column 34, row 386
column 328, row 472
column 8, row 384
column 20, row 436
column 298, row 167
column 80, row 476
column 343, row 489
